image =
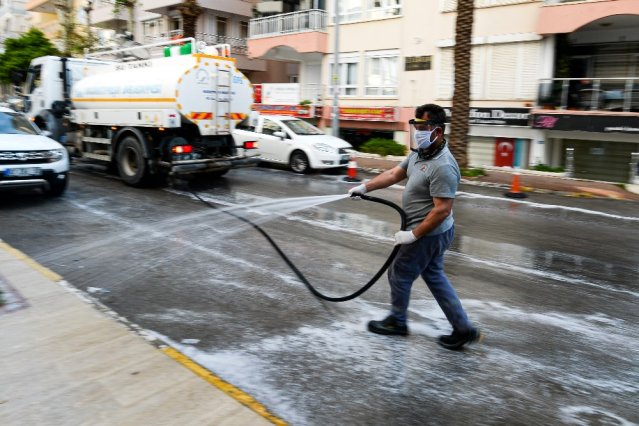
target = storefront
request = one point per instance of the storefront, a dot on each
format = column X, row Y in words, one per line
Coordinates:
column 357, row 124
column 602, row 143
column 500, row 137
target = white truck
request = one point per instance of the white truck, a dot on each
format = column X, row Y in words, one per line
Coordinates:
column 293, row 142
column 145, row 114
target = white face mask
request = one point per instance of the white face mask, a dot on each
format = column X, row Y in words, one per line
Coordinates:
column 423, row 138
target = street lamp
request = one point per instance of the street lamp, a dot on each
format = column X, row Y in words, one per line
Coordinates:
column 335, row 77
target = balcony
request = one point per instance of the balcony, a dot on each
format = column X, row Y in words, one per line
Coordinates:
column 564, row 16
column 583, row 94
column 103, row 15
column 303, row 32
column 602, row 105
column 237, row 7
column 41, row 6
column 287, row 23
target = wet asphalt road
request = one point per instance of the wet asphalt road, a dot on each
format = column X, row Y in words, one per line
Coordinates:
column 552, row 281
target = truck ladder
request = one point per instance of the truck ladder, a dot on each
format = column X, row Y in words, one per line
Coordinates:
column 223, row 102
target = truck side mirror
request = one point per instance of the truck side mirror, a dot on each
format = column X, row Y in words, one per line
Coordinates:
column 280, row 135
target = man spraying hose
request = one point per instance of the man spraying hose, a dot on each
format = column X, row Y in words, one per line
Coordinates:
column 433, row 176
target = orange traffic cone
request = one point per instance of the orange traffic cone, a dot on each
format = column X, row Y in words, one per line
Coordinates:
column 515, row 191
column 351, row 171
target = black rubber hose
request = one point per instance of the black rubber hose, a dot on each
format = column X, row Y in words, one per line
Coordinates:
column 301, row 276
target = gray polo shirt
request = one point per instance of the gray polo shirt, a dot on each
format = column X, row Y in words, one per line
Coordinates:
column 437, row 177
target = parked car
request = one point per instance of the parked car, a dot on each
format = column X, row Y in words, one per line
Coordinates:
column 291, row 141
column 28, row 158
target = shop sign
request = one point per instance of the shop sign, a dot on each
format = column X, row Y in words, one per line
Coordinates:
column 368, row 114
column 587, row 123
column 496, row 116
column 301, row 111
column 417, row 63
column 281, row 93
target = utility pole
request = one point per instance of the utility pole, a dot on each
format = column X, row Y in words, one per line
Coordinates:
column 88, row 8
column 335, row 77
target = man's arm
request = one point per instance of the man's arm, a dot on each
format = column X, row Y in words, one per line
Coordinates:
column 386, row 179
column 442, row 209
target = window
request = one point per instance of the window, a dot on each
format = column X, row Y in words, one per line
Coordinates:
column 349, row 10
column 244, row 29
column 504, row 71
column 34, row 78
column 176, row 24
column 381, row 74
column 221, row 26
column 269, row 127
column 347, row 77
column 384, row 8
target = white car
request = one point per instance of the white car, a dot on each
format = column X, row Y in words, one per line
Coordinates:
column 28, row 159
column 291, row 141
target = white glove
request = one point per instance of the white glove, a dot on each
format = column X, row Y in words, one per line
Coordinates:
column 405, row 237
column 357, row 190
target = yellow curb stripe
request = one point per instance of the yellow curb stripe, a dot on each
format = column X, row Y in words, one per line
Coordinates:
column 48, row 273
column 225, row 387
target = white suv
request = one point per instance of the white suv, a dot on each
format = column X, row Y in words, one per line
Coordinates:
column 28, row 159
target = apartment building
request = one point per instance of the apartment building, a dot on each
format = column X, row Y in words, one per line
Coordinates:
column 13, row 20
column 588, row 106
column 46, row 16
column 396, row 54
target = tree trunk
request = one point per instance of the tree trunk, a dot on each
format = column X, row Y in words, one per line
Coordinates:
column 190, row 11
column 461, row 95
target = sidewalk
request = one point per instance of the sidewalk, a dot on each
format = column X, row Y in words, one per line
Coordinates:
column 64, row 361
column 531, row 181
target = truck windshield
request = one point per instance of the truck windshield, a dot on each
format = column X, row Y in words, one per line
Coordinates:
column 300, row 127
column 15, row 124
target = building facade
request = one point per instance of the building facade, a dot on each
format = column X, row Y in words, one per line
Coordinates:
column 13, row 20
column 396, row 54
column 588, row 101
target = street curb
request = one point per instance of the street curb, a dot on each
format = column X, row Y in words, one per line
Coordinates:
column 526, row 189
column 208, row 376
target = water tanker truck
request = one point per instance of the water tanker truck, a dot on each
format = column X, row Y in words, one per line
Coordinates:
column 147, row 115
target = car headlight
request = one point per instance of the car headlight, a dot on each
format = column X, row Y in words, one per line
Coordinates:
column 54, row 155
column 324, row 147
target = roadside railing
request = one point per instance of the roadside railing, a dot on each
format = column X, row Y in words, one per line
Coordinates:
column 589, row 94
column 238, row 45
column 287, row 23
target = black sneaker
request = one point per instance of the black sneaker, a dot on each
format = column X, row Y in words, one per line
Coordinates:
column 388, row 326
column 457, row 339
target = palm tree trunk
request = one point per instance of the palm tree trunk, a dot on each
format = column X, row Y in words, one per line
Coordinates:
column 190, row 11
column 461, row 95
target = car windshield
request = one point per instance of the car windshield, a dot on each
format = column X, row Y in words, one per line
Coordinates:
column 300, row 127
column 14, row 123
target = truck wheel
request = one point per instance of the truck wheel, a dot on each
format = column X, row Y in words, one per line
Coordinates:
column 299, row 162
column 131, row 162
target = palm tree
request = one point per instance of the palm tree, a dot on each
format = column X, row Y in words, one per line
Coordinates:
column 190, row 11
column 461, row 95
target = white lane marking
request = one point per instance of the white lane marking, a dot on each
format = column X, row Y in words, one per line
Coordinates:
column 547, row 206
column 496, row 265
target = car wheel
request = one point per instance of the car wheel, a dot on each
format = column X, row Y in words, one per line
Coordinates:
column 57, row 186
column 299, row 162
column 132, row 165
